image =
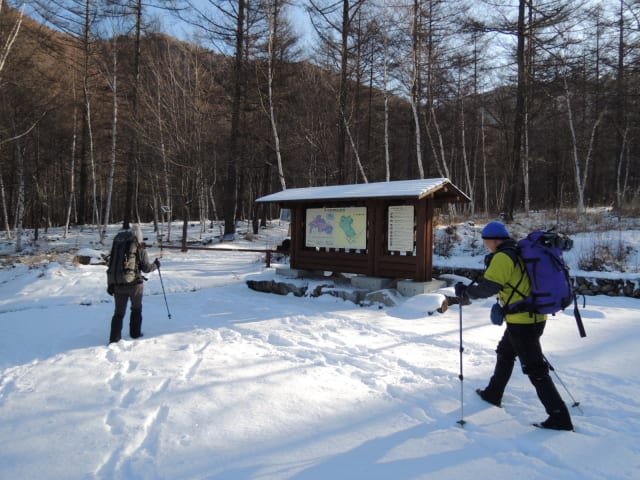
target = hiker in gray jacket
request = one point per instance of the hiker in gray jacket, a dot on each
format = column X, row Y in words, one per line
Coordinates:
column 126, row 282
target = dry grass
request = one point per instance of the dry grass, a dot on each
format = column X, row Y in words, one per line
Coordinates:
column 36, row 260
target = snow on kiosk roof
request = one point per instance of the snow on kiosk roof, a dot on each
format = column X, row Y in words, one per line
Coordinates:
column 382, row 229
column 415, row 189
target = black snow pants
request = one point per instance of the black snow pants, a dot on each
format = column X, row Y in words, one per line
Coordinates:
column 523, row 341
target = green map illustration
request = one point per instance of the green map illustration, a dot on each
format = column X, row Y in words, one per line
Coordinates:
column 337, row 227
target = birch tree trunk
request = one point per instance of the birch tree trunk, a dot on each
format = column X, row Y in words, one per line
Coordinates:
column 11, row 38
column 465, row 159
column 4, row 54
column 85, row 139
column 355, row 149
column 114, row 135
column 20, row 200
column 385, row 91
column 273, row 12
column 167, row 207
column 574, row 151
column 580, row 177
column 525, row 165
column 415, row 81
column 72, row 169
column 484, row 164
column 620, row 105
column 439, row 153
column 621, row 184
column 4, row 208
column 95, row 215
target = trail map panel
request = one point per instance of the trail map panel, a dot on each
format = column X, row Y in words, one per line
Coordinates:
column 344, row 227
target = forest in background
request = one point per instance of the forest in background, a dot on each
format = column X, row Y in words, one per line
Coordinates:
column 104, row 118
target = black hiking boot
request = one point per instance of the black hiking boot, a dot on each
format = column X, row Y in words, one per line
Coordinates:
column 487, row 398
column 559, row 419
column 556, row 423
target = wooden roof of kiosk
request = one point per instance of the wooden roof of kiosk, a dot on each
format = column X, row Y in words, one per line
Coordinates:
column 382, row 229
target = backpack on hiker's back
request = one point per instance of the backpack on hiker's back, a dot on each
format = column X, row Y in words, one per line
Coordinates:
column 551, row 285
column 123, row 260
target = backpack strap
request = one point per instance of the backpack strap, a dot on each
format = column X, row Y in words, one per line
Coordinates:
column 138, row 257
column 512, row 251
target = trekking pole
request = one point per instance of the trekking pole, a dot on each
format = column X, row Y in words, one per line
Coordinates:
column 461, row 376
column 575, row 404
column 164, row 293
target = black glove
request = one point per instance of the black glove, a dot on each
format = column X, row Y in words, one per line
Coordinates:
column 156, row 262
column 110, row 289
column 460, row 289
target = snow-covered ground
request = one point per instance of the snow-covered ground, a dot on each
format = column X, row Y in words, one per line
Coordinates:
column 238, row 384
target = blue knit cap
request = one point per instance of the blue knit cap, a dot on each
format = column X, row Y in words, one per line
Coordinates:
column 495, row 231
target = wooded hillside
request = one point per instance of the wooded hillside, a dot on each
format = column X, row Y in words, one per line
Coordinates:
column 110, row 127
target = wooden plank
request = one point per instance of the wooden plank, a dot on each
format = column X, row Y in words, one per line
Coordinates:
column 397, row 266
column 421, row 240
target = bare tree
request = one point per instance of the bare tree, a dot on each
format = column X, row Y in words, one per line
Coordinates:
column 273, row 8
column 225, row 22
column 72, row 169
column 86, row 153
column 513, row 168
column 621, row 114
column 132, row 162
column 77, row 19
column 580, row 174
column 334, row 21
column 111, row 75
column 385, row 89
column 231, row 192
column 20, row 204
column 4, row 54
column 416, row 78
column 11, row 37
column 175, row 98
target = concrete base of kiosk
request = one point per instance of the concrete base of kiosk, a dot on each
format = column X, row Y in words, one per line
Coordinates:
column 370, row 283
column 409, row 288
column 297, row 273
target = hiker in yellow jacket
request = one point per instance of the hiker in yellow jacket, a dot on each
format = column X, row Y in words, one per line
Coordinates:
column 506, row 277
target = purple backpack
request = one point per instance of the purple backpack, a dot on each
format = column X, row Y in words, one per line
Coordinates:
column 551, row 286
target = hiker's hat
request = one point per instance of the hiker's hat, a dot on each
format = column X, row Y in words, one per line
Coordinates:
column 495, row 231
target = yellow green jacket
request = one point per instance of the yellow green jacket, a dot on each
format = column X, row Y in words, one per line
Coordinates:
column 504, row 271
